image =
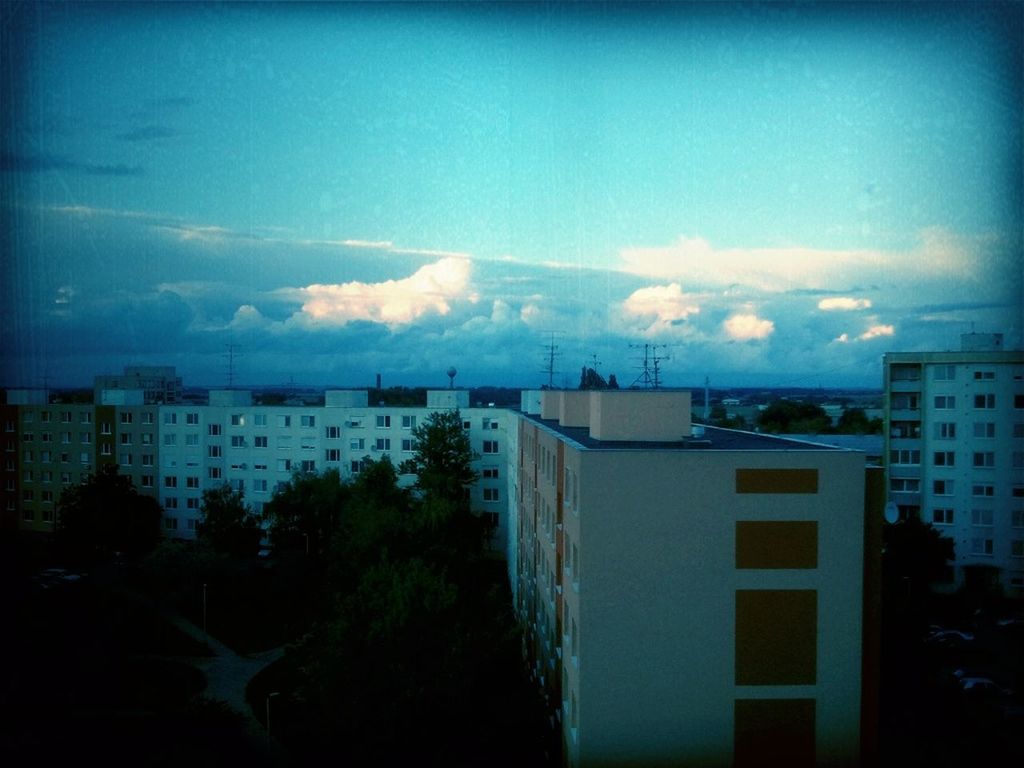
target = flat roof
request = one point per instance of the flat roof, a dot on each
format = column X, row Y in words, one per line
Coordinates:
column 713, row 439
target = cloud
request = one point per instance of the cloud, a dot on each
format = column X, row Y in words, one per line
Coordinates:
column 393, row 302
column 148, row 133
column 41, row 163
column 843, row 303
column 665, row 305
column 876, row 331
column 748, row 327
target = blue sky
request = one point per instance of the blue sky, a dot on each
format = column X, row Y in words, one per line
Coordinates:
column 778, row 193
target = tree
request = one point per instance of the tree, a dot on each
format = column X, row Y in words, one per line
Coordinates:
column 106, row 513
column 442, row 465
column 915, row 555
column 790, row 417
column 227, row 523
column 854, row 421
column 306, row 511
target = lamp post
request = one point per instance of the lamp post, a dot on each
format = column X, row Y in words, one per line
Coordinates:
column 269, row 697
column 306, row 537
column 204, row 609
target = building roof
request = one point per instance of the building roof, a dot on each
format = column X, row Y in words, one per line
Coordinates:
column 712, row 439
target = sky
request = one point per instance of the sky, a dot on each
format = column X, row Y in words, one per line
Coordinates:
column 773, row 194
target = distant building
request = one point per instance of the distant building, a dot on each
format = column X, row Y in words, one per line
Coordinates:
column 954, row 430
column 692, row 595
column 159, row 384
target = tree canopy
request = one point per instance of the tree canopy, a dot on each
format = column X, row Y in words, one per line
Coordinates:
column 791, row 417
column 105, row 512
column 227, row 523
column 443, row 463
column 306, row 511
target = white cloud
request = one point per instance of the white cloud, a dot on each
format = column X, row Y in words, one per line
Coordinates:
column 393, row 302
column 843, row 338
column 876, row 331
column 746, row 327
column 844, row 303
column 666, row 303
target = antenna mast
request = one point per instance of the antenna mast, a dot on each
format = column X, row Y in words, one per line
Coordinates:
column 650, row 375
column 551, row 354
column 231, row 364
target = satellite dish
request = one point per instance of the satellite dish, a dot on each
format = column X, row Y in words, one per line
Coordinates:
column 451, row 377
column 892, row 512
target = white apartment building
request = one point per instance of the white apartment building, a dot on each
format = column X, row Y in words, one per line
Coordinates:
column 695, row 596
column 955, row 452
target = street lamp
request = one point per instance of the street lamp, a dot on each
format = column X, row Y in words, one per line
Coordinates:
column 269, row 697
column 306, row 537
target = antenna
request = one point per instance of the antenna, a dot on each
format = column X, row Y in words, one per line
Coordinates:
column 650, row 370
column 231, row 364
column 551, row 354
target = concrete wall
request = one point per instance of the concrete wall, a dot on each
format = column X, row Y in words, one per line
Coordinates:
column 659, row 415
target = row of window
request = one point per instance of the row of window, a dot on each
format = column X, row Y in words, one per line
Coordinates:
column 906, row 401
column 947, row 487
column 979, row 517
column 980, row 459
column 66, row 417
column 986, row 546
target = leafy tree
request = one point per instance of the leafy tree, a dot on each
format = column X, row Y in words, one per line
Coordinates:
column 227, row 523
column 306, row 511
column 854, row 421
column 442, row 465
column 591, row 379
column 915, row 554
column 788, row 417
column 106, row 513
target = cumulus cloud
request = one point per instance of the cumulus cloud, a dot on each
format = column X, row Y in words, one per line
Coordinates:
column 664, row 308
column 876, row 331
column 843, row 303
column 393, row 302
column 747, row 327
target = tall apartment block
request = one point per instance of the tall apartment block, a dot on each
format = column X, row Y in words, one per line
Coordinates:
column 174, row 452
column 158, row 384
column 955, row 448
column 690, row 595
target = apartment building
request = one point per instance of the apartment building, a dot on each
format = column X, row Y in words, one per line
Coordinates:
column 955, row 449
column 174, row 452
column 158, row 384
column 695, row 596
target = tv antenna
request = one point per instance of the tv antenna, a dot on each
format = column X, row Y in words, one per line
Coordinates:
column 650, row 370
column 231, row 354
column 551, row 354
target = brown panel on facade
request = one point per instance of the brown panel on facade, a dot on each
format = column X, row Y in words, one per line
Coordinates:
column 774, row 732
column 777, row 544
column 776, row 636
column 776, row 481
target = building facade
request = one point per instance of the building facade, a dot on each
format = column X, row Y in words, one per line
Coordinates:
column 174, row 452
column 697, row 597
column 955, row 452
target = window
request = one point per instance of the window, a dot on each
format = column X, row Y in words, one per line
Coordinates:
column 46, row 437
column 237, row 420
column 45, row 417
column 83, row 458
column 1018, row 459
column 213, row 430
column 45, row 457
column 942, row 487
column 65, row 458
column 1018, row 401
column 284, row 421
column 126, row 418
column 192, row 439
column 983, row 489
column 170, row 482
column 171, row 523
column 307, row 421
column 65, row 417
column 28, row 455
column 467, row 424
column 984, row 429
column 904, row 402
column 260, row 467
column 383, row 421
column 981, row 546
column 945, row 402
column 284, row 442
column 984, row 375
column 192, row 418
column 945, row 458
column 1017, row 518
column 944, row 372
column 260, row 441
column 332, row 454
column 308, row 465
column 981, row 517
column 169, row 439
column 27, row 417
column 27, row 476
column 357, row 444
column 490, row 494
column 238, row 441
column 214, row 473
column 171, row 502
column 65, row 478
column 985, row 401
column 333, row 433
column 408, row 422
column 259, row 486
column 383, row 444
column 125, row 459
column 27, row 437
column 984, row 459
column 408, row 445
column 905, row 456
column 490, row 473
column 259, row 420
column 1018, row 429
column 106, row 450
column 1017, row 548
column 490, row 446
column 213, row 451
column 170, row 417
column 356, row 467
column 85, row 418
column 28, row 496
column 126, row 438
column 147, row 417
column 147, row 438
column 192, row 503
column 490, row 424
column 192, row 482
column 284, row 465
column 308, row 443
column 237, row 484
